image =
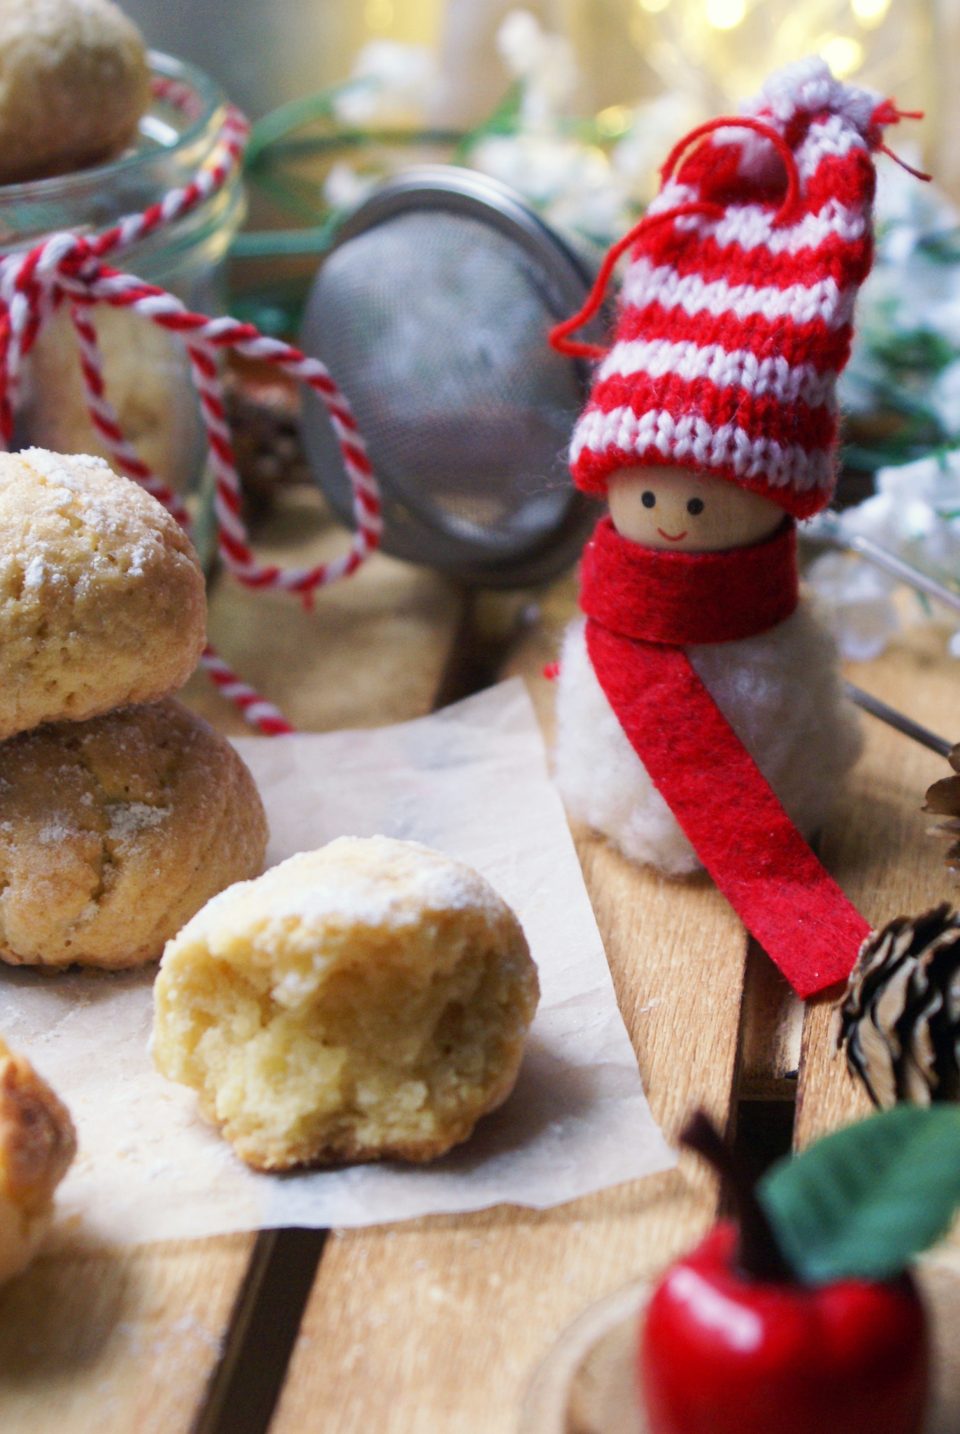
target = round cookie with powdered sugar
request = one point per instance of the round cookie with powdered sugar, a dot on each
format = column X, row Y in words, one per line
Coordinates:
column 366, row 1001
column 101, row 593
column 74, row 82
column 115, row 831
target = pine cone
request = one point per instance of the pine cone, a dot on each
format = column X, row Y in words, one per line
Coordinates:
column 943, row 798
column 263, row 407
column 900, row 1018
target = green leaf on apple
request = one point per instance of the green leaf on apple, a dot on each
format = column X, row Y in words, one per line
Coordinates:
column 862, row 1202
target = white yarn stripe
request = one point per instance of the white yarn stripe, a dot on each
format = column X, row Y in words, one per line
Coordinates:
column 261, row 710
column 696, row 443
column 801, row 303
column 673, row 194
column 57, row 248
column 833, row 135
column 750, row 227
column 737, row 368
column 808, row 84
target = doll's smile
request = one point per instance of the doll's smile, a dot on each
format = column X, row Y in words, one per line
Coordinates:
column 659, row 506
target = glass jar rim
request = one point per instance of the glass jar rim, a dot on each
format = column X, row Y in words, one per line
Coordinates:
column 204, row 91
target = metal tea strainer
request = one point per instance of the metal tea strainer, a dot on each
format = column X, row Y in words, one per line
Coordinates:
column 432, row 313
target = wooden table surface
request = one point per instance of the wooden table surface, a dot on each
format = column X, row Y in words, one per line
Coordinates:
column 439, row 1324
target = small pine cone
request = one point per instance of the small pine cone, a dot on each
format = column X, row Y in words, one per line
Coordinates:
column 900, row 1018
column 263, row 407
column 943, row 799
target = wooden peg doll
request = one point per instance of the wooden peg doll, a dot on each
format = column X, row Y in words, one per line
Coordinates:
column 701, row 719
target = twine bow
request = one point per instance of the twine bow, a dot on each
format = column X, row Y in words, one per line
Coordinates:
column 68, row 268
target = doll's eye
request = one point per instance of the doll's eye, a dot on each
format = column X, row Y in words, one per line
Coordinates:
column 648, row 499
column 695, row 506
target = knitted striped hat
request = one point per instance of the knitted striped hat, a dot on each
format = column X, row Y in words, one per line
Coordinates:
column 735, row 317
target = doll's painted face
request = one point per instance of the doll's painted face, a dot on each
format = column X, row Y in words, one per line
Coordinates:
column 663, row 507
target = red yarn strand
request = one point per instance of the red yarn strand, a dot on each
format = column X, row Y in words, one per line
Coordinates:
column 741, row 122
column 917, row 173
column 558, row 334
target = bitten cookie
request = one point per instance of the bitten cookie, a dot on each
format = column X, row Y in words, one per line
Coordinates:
column 37, row 1144
column 113, row 832
column 101, row 594
column 74, row 82
column 364, row 1001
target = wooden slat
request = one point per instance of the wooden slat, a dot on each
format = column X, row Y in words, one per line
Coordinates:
column 109, row 1343
column 370, row 652
column 771, row 1029
column 112, row 1343
column 879, row 845
column 440, row 1324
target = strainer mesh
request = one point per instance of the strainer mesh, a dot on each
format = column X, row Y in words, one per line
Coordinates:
column 435, row 325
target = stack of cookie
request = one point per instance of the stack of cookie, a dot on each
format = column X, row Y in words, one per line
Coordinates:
column 121, row 813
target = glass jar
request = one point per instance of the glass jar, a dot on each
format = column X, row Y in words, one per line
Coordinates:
column 146, row 369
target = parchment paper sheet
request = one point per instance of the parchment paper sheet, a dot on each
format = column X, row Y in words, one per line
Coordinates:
column 472, row 781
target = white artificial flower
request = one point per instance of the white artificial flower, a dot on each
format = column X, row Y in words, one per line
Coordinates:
column 545, row 64
column 944, row 318
column 571, row 184
column 910, row 290
column 944, row 398
column 345, row 187
column 856, row 602
column 600, row 212
column 934, row 481
column 889, row 516
column 901, row 201
column 862, row 378
column 654, row 128
column 519, row 41
column 390, row 85
column 906, row 513
column 914, row 292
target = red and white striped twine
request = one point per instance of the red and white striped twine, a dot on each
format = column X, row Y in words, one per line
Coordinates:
column 68, row 268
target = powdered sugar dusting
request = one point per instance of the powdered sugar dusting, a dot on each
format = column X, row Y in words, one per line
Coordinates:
column 57, row 468
column 34, row 574
column 368, row 881
column 138, row 560
column 84, row 486
column 127, row 820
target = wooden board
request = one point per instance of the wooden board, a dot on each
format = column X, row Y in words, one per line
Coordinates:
column 112, row 1342
column 370, row 651
column 95, row 1342
column 440, row 1324
column 880, row 846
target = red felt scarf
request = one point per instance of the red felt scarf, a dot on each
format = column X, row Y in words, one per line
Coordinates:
column 643, row 607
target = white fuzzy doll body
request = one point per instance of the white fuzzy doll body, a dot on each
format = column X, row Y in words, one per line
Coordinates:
column 780, row 690
column 700, row 713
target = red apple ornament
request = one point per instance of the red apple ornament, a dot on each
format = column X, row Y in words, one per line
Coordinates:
column 726, row 1354
column 803, row 1318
